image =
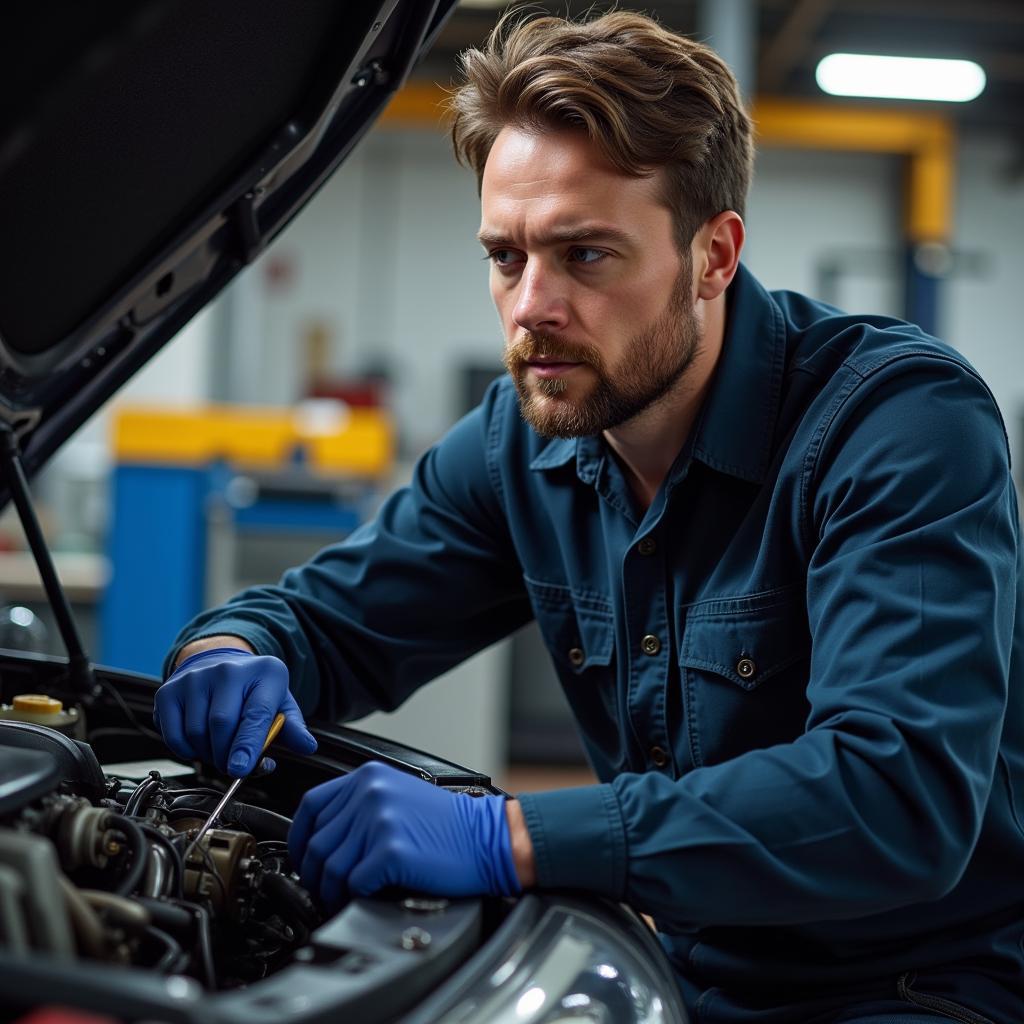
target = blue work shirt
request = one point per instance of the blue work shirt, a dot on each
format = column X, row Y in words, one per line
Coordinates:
column 796, row 673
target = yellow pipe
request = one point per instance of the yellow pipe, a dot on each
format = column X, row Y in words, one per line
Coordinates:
column 926, row 140
column 416, row 105
column 929, row 202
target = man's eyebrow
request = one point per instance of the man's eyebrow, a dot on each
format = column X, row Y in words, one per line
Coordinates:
column 580, row 233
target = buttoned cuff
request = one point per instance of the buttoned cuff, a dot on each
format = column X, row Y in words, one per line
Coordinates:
column 579, row 839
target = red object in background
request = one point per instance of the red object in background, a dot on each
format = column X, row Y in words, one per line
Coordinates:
column 63, row 1015
column 279, row 271
column 360, row 394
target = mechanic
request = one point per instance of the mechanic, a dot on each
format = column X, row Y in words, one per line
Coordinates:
column 773, row 549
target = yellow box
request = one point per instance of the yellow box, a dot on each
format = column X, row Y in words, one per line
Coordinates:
column 356, row 442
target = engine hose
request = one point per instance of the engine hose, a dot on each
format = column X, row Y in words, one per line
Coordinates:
column 156, row 871
column 136, row 803
column 155, row 835
column 258, row 820
column 186, row 919
column 88, row 927
column 168, row 916
column 205, row 946
column 291, row 901
column 172, row 951
column 181, row 813
column 128, row 913
column 139, row 848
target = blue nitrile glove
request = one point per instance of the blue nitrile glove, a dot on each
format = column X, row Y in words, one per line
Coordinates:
column 218, row 707
column 378, row 827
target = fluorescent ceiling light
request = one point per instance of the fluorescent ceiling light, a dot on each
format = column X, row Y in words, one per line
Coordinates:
column 905, row 78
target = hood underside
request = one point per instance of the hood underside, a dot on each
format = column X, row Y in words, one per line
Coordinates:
column 150, row 149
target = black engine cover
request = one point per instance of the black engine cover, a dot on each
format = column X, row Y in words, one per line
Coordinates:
column 71, row 761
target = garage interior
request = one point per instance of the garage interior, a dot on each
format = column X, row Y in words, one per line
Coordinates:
column 371, row 314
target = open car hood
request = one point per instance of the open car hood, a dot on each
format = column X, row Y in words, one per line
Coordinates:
column 150, row 149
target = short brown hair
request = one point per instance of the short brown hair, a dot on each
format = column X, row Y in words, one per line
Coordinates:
column 647, row 97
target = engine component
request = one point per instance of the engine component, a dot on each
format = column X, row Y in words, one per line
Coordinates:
column 96, row 870
column 222, row 868
column 37, row 902
column 13, row 927
column 25, row 775
column 76, row 762
column 83, row 834
column 157, row 872
column 89, row 930
column 43, row 710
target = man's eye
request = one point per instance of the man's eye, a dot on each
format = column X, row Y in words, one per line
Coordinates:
column 503, row 257
column 581, row 254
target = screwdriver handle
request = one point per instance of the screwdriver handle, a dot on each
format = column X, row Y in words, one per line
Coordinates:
column 275, row 728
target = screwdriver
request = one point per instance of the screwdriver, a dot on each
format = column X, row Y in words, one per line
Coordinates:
column 275, row 728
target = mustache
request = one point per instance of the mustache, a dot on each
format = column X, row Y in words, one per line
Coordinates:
column 532, row 346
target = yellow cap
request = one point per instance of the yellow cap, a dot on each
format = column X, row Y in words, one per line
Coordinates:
column 38, row 703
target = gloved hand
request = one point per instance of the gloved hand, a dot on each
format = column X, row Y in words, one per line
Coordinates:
column 378, row 827
column 218, row 707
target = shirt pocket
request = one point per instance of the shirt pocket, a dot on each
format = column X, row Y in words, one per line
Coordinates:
column 743, row 665
column 579, row 632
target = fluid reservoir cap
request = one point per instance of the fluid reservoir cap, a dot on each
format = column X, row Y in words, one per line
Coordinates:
column 38, row 703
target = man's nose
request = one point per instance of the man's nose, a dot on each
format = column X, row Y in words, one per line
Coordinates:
column 541, row 305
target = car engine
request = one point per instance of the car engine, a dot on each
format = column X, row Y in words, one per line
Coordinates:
column 95, row 867
column 110, row 906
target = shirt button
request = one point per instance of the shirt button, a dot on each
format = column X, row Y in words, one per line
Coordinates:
column 659, row 758
column 650, row 644
column 745, row 668
column 576, row 656
column 647, row 546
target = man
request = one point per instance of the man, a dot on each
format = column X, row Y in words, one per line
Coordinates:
column 773, row 550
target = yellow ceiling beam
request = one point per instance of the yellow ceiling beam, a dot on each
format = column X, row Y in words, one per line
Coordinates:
column 818, row 125
column 416, row 105
column 926, row 140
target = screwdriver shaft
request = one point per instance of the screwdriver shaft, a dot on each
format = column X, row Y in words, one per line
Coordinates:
column 275, row 728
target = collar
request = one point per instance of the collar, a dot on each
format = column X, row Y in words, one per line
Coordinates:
column 733, row 432
column 736, row 426
column 587, row 452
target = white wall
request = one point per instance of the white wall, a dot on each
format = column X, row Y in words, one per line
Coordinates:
column 386, row 256
column 807, row 209
column 982, row 314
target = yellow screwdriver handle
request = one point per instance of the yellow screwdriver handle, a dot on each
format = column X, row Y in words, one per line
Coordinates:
column 275, row 728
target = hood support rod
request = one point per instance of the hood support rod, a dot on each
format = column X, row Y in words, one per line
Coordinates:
column 79, row 666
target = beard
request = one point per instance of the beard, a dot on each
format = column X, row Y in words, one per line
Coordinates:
column 653, row 362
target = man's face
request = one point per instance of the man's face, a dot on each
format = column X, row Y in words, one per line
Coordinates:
column 594, row 297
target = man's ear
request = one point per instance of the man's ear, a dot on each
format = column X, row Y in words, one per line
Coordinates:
column 716, row 253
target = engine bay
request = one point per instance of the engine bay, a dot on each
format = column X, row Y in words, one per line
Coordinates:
column 112, row 874
column 107, row 899
column 109, row 907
